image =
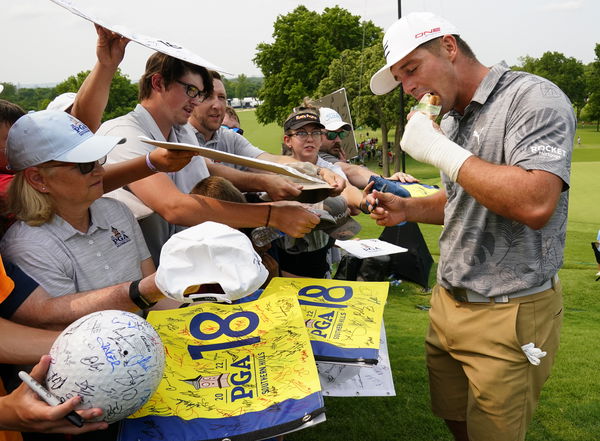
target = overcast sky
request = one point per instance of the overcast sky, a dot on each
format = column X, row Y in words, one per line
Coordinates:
column 44, row 43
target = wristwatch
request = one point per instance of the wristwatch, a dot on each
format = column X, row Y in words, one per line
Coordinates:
column 136, row 296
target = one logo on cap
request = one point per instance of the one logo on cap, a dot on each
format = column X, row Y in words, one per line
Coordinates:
column 424, row 33
column 386, row 49
column 119, row 237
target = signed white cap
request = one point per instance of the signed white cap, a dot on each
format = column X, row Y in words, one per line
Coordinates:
column 207, row 255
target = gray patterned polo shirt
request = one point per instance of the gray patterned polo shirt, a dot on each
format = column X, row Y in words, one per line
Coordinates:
column 514, row 118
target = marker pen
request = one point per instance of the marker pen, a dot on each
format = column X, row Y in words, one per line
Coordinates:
column 73, row 417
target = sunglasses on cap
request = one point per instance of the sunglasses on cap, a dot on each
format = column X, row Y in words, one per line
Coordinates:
column 235, row 129
column 84, row 167
column 331, row 135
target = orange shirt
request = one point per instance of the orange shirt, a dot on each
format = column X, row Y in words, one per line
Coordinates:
column 6, row 287
column 6, row 283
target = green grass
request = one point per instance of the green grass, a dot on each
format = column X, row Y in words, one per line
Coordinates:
column 589, row 136
column 569, row 408
column 268, row 138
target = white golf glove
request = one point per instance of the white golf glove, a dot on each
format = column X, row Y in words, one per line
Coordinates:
column 423, row 142
column 533, row 354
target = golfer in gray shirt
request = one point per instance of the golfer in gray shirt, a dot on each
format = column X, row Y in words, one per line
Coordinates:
column 504, row 150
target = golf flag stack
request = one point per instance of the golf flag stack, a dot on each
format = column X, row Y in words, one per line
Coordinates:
column 343, row 318
column 241, row 371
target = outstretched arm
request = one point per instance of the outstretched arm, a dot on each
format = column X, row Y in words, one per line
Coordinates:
column 160, row 194
column 92, row 96
column 44, row 311
column 492, row 185
column 277, row 187
column 122, row 173
column 13, row 351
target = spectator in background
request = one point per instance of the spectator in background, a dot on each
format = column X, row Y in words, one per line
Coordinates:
column 206, row 121
column 232, row 121
column 307, row 257
column 9, row 114
column 331, row 150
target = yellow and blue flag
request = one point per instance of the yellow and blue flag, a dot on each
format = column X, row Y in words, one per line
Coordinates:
column 240, row 371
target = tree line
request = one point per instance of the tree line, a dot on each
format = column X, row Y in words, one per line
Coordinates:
column 315, row 54
column 123, row 92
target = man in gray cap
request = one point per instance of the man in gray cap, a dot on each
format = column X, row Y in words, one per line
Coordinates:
column 497, row 307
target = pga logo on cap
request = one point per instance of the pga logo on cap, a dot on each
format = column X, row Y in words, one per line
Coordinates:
column 79, row 127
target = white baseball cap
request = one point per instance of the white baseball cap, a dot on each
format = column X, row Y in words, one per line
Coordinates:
column 62, row 102
column 53, row 135
column 332, row 120
column 207, row 254
column 403, row 37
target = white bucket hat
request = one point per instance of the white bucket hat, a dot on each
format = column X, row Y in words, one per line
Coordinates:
column 207, row 254
column 53, row 135
column 332, row 120
column 403, row 37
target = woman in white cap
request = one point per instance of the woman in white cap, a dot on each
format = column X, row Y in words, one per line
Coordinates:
column 68, row 238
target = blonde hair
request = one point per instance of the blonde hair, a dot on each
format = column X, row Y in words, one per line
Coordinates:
column 28, row 204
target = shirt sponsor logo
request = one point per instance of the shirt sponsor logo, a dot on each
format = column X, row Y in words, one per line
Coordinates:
column 549, row 151
column 119, row 237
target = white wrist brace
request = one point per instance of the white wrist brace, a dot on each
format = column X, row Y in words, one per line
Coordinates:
column 423, row 142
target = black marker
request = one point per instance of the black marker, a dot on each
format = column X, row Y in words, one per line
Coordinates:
column 383, row 189
column 73, row 417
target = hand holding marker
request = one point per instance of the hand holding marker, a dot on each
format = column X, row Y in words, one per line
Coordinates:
column 73, row 417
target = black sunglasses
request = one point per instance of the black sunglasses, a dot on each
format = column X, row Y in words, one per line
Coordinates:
column 84, row 167
column 332, row 135
column 192, row 91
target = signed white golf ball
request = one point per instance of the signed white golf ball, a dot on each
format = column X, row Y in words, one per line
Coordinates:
column 112, row 359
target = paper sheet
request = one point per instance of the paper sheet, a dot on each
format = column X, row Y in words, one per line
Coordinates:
column 158, row 44
column 344, row 380
column 231, row 158
column 369, row 247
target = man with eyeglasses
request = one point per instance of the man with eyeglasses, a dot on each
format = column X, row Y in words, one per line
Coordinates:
column 170, row 90
column 206, row 122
